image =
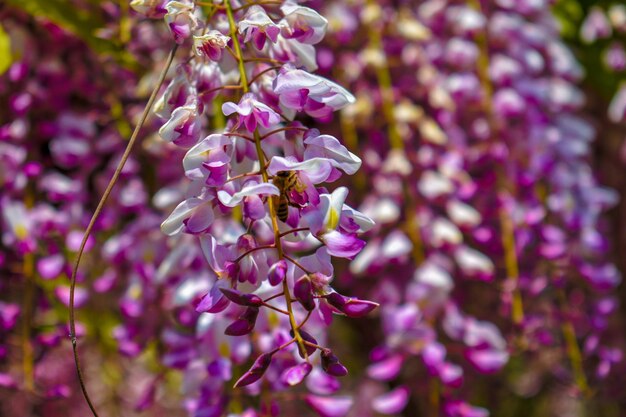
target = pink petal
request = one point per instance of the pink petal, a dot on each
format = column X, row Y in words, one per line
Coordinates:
column 392, row 402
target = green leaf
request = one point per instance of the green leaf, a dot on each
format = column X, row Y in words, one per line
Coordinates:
column 82, row 23
column 6, row 58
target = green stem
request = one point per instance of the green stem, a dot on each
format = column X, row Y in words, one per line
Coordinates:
column 572, row 348
column 263, row 170
column 383, row 77
column 237, row 45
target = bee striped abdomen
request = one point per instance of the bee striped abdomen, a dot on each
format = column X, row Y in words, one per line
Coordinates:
column 285, row 181
column 282, row 211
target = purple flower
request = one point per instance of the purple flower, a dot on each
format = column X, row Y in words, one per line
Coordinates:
column 387, row 368
column 250, row 189
column 180, row 19
column 214, row 301
column 252, row 112
column 596, row 26
column 183, row 127
column 209, row 160
column 617, row 107
column 462, row 409
column 615, row 57
column 244, row 323
column 277, row 272
column 257, row 26
column 487, row 360
column 81, row 295
column 255, row 372
column 302, row 291
column 324, row 220
column 303, row 24
column 316, row 170
column 330, row 406
column 178, row 93
column 211, row 44
column 193, row 215
column 351, row 307
column 608, row 358
column 299, row 90
column 331, row 364
column 319, row 382
column 154, row 9
column 294, row 52
column 51, row 266
column 328, row 147
column 296, row 374
column 243, row 299
column 310, row 349
column 392, row 402
column 9, row 314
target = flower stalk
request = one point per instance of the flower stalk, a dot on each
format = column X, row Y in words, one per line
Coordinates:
column 96, row 214
column 263, row 170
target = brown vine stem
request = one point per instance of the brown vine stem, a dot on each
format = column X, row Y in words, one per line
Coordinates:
column 224, row 87
column 284, row 129
column 296, row 263
column 299, row 229
column 258, row 3
column 95, row 216
column 383, row 77
column 262, row 164
column 243, row 255
column 572, row 349
column 262, row 59
column 262, row 73
column 247, row 174
column 506, row 225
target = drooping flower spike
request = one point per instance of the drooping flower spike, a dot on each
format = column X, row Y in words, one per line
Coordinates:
column 256, row 198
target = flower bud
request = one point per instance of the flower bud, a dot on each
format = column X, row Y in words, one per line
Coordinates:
column 277, row 272
column 308, row 338
column 244, row 324
column 302, row 292
column 351, row 307
column 331, row 364
column 237, row 297
column 214, row 301
column 358, row 308
column 296, row 374
column 256, row 371
column 336, row 300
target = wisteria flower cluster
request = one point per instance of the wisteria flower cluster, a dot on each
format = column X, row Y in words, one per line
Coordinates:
column 255, row 199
